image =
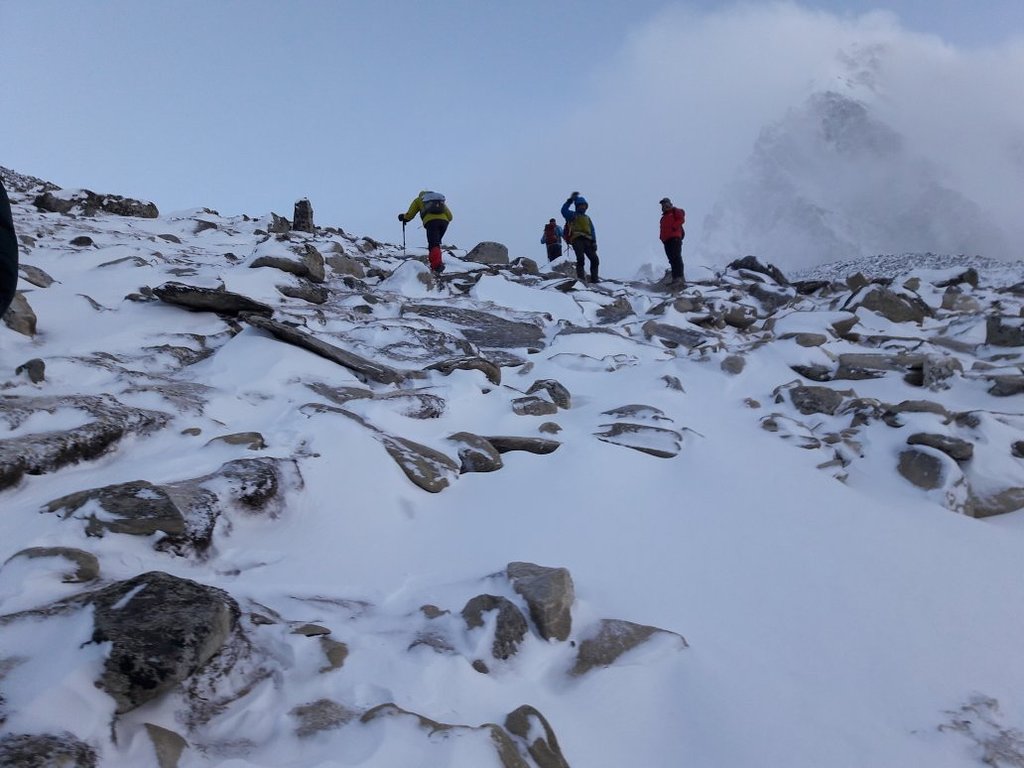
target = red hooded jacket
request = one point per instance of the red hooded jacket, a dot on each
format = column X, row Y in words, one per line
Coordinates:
column 672, row 222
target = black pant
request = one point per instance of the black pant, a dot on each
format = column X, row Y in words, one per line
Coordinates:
column 674, row 251
column 435, row 231
column 8, row 253
column 554, row 250
column 584, row 246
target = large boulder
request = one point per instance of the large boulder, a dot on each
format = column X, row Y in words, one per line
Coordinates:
column 612, row 638
column 549, row 593
column 89, row 203
column 896, row 307
column 44, row 750
column 488, row 252
column 162, row 629
column 510, row 628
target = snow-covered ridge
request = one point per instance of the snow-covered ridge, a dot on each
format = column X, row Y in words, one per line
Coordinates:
column 277, row 498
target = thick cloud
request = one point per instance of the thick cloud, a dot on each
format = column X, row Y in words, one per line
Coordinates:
column 917, row 148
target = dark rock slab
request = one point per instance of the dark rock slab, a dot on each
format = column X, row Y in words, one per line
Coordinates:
column 507, row 443
column 549, row 593
column 613, row 638
column 531, row 405
column 511, row 626
column 84, row 566
column 210, row 300
column 19, row 316
column 469, row 363
column 89, row 203
column 476, row 453
column 673, row 336
column 751, row 264
column 1004, row 332
column 365, row 369
column 35, row 369
column 482, row 328
column 896, row 307
column 488, row 252
column 529, row 725
column 1006, row 386
column 924, row 470
column 954, row 447
column 44, row 750
column 162, row 630
column 654, row 441
column 556, row 391
column 39, row 453
column 810, row 400
column 616, row 311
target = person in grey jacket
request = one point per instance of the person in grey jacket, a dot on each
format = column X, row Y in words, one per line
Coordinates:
column 8, row 252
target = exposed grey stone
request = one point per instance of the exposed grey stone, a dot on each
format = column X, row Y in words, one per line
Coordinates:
column 309, row 266
column 1006, row 386
column 556, row 391
column 170, row 238
column 867, row 365
column 35, row 368
column 489, row 369
column 19, row 316
column 82, row 241
column 538, row 445
column 549, row 428
column 279, row 225
column 1017, row 449
column 922, row 469
column 320, row 715
column 937, row 370
column 336, row 653
column 969, row 276
column 162, row 629
column 612, row 639
column 1004, row 332
column 482, row 328
column 810, row 400
column 898, row 308
column 35, row 275
column 306, row 291
column 733, row 364
column 476, row 453
column 86, row 566
column 302, row 219
column 549, row 593
column 167, row 744
column 637, row 411
column 615, row 312
column 954, row 447
column 365, row 369
column 997, row 503
column 37, row 454
column 346, row 265
column 814, row 372
column 510, row 629
column 739, row 316
column 89, row 203
column 252, row 440
column 209, row 300
column 431, row 470
column 672, row 336
column 42, row 750
column 531, row 405
column 488, row 253
column 186, row 511
column 533, row 728
column 655, row 441
column 771, row 300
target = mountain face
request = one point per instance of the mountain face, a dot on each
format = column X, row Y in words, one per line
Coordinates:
column 273, row 497
column 831, row 181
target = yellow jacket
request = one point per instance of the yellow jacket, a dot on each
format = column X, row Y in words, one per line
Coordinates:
column 416, row 207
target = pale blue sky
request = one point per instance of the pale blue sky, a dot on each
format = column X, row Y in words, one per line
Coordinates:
column 247, row 105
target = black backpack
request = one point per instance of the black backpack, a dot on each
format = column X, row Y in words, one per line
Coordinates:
column 433, row 202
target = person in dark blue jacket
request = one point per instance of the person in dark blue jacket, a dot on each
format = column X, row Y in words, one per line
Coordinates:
column 582, row 235
column 8, row 252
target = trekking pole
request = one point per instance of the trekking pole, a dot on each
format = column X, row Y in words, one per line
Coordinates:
column 403, row 238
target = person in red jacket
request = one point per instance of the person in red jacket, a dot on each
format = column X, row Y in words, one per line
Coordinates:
column 672, row 234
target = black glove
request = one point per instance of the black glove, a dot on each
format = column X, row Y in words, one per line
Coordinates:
column 574, row 195
column 401, row 217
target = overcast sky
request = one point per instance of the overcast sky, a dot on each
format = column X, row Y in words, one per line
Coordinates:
column 245, row 106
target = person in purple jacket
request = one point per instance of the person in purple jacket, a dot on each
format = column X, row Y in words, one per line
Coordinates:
column 8, row 252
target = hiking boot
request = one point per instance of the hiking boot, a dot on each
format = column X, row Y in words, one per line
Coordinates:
column 595, row 279
column 438, row 269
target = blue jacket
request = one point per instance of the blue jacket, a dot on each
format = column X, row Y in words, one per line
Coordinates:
column 584, row 226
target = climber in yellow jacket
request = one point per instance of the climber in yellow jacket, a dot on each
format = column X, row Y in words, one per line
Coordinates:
column 435, row 215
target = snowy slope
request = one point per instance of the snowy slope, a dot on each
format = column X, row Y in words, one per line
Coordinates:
column 838, row 622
